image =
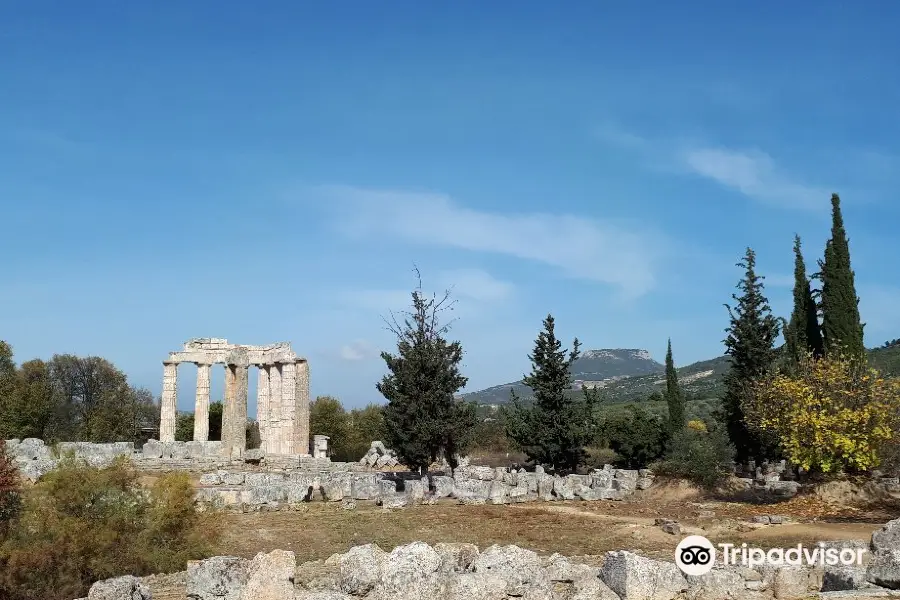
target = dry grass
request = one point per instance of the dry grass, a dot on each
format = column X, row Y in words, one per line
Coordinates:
column 572, row 528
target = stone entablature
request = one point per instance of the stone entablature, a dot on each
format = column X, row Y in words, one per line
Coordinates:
column 282, row 395
column 213, row 351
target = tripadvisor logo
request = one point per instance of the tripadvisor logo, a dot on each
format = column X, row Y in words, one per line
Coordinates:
column 696, row 555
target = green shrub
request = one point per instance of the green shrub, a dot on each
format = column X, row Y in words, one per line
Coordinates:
column 636, row 436
column 10, row 490
column 703, row 457
column 597, row 457
column 80, row 524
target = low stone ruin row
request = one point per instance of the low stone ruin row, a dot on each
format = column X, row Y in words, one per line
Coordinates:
column 460, row 571
column 468, row 485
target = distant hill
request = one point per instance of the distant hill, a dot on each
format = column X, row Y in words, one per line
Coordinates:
column 592, row 367
column 609, row 370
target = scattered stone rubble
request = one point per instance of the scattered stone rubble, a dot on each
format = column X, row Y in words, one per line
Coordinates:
column 379, row 457
column 459, row 571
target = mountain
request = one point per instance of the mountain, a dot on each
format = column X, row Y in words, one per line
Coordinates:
column 592, row 367
column 609, row 370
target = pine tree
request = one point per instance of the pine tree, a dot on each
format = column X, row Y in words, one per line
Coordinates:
column 674, row 397
column 802, row 335
column 423, row 418
column 750, row 345
column 554, row 430
column 841, row 326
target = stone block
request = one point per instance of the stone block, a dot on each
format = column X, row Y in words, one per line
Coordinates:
column 217, row 578
column 271, row 576
column 127, row 587
column 210, row 479
column 365, row 489
column 443, row 486
column 233, row 478
column 635, row 577
column 415, row 490
column 395, row 501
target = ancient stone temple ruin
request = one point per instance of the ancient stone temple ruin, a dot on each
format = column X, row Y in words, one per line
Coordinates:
column 282, row 395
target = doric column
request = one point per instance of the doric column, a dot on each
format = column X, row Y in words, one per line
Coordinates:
column 228, row 412
column 301, row 446
column 288, row 408
column 275, row 389
column 262, row 404
column 201, row 404
column 239, row 441
column 168, row 402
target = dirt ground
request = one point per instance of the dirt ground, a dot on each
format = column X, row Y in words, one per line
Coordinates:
column 583, row 529
column 570, row 528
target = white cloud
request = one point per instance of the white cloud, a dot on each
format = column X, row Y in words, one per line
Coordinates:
column 471, row 290
column 605, row 251
column 358, row 350
column 754, row 174
column 475, row 284
column 751, row 172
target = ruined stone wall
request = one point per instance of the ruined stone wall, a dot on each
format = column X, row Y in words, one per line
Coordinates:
column 460, row 571
column 251, row 491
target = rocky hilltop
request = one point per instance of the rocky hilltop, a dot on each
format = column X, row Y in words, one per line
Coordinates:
column 592, row 367
column 628, row 375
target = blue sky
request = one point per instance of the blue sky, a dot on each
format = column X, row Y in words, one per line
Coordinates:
column 272, row 171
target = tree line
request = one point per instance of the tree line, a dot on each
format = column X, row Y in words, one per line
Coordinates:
column 71, row 398
column 813, row 399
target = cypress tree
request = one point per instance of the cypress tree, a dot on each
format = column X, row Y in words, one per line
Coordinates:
column 554, row 430
column 802, row 334
column 423, row 419
column 674, row 397
column 841, row 326
column 751, row 347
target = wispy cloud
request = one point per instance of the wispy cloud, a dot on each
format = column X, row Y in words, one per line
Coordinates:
column 476, row 284
column 754, row 174
column 751, row 172
column 359, row 350
column 614, row 253
column 472, row 289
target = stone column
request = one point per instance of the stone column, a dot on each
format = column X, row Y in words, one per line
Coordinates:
column 201, row 405
column 228, row 411
column 239, row 439
column 288, row 408
column 301, row 446
column 262, row 405
column 275, row 389
column 168, row 402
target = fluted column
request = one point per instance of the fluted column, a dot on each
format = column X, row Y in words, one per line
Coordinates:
column 239, row 441
column 168, row 402
column 275, row 390
column 301, row 446
column 262, row 405
column 228, row 412
column 288, row 408
column 201, row 404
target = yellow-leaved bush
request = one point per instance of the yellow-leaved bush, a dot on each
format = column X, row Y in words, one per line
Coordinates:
column 697, row 425
column 832, row 415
